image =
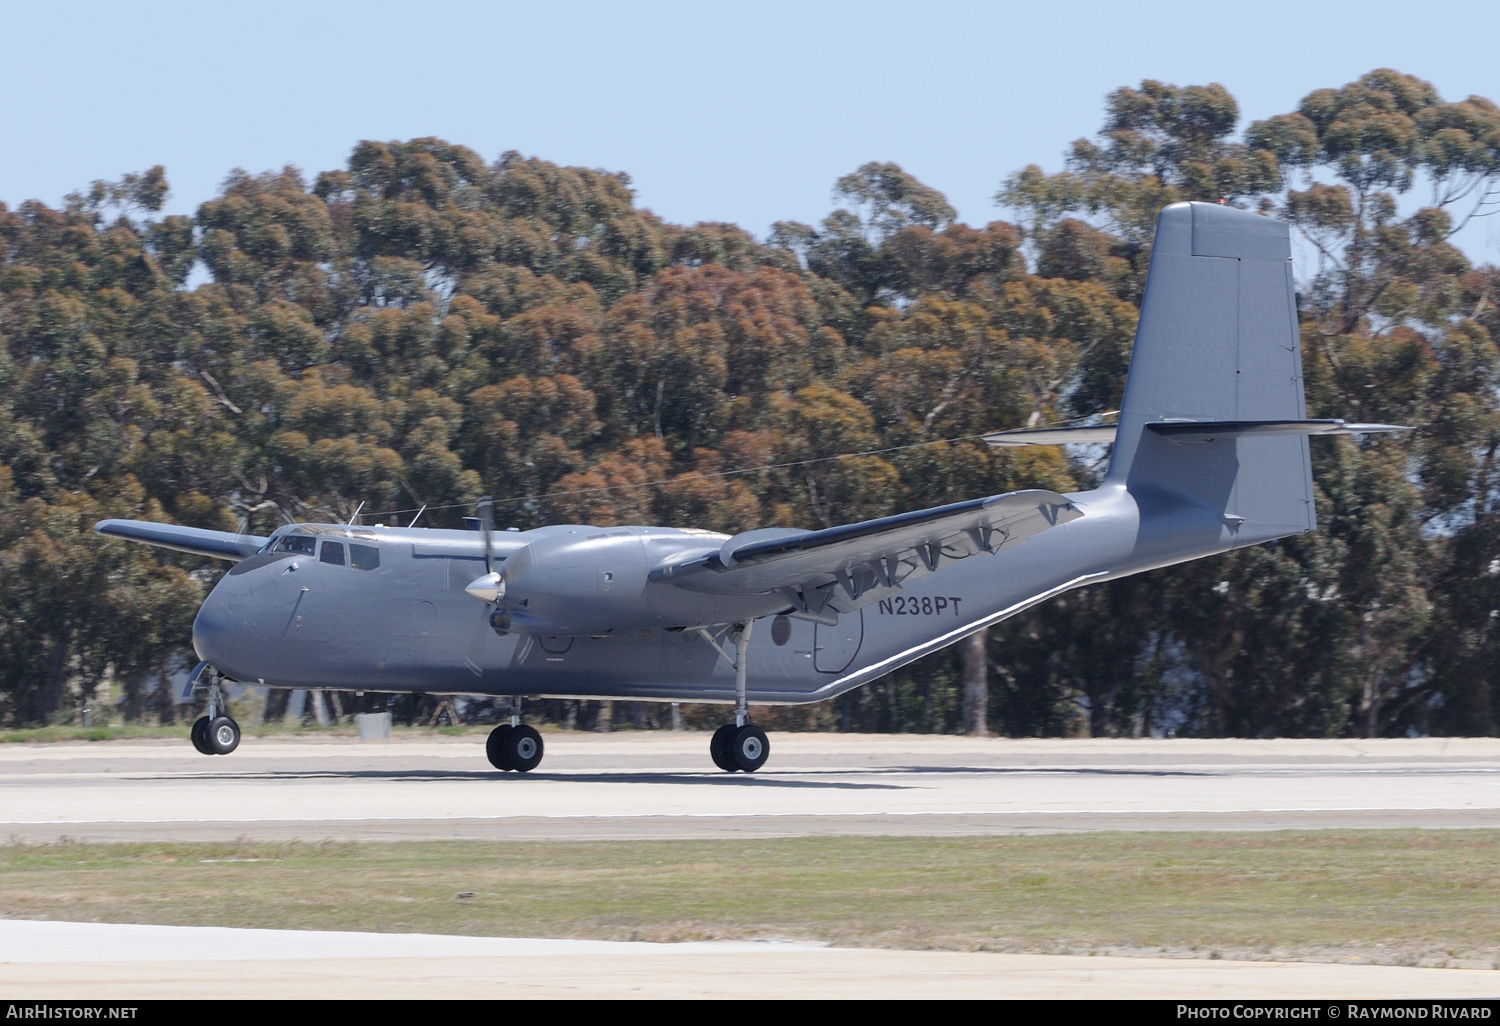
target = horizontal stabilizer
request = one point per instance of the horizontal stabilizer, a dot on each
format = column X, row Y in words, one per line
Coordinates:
column 1266, row 427
column 218, row 544
column 1105, row 434
column 1093, row 434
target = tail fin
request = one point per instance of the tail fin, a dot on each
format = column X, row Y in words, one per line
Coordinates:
column 1217, row 341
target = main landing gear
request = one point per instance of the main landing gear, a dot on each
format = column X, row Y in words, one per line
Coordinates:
column 514, row 746
column 739, row 746
column 215, row 733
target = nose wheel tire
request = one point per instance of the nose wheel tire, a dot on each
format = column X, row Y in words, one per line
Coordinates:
column 199, row 735
column 749, row 748
column 222, row 735
column 494, row 747
column 718, row 748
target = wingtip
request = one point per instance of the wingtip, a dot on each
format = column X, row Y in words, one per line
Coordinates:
column 1368, row 429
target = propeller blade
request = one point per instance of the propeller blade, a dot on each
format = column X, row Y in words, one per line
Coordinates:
column 487, row 528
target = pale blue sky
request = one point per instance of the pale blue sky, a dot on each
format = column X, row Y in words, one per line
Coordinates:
column 733, row 112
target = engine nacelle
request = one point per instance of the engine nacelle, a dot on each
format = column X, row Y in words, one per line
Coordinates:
column 579, row 581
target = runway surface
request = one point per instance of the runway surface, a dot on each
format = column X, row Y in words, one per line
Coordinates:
column 119, row 963
column 662, row 785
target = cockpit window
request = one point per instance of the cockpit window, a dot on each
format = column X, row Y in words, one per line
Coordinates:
column 332, row 552
column 299, row 543
column 364, row 557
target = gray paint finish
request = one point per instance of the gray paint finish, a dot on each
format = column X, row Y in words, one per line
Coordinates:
column 612, row 612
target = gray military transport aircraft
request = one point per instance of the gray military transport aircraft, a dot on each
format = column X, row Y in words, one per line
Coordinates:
column 1210, row 454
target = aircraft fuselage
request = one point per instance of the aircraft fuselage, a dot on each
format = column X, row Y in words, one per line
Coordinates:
column 402, row 621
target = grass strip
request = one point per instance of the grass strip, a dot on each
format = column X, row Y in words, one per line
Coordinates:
column 1403, row 897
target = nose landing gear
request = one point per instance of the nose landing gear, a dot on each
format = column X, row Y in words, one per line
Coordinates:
column 215, row 733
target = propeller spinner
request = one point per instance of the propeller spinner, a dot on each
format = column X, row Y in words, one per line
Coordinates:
column 490, row 587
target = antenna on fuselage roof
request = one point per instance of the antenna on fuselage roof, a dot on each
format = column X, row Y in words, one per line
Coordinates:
column 355, row 517
column 419, row 513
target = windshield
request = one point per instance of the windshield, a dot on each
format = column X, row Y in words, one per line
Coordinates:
column 299, row 543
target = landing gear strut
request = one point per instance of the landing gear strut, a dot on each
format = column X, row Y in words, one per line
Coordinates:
column 514, row 745
column 215, row 733
column 738, row 746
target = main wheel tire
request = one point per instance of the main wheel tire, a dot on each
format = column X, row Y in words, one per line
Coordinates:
column 494, row 747
column 523, row 749
column 199, row 735
column 223, row 735
column 749, row 748
column 718, row 748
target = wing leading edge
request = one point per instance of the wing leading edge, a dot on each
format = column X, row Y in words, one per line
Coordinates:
column 219, row 544
column 837, row 570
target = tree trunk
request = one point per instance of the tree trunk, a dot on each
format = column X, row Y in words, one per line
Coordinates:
column 276, row 703
column 606, row 721
column 976, row 684
column 47, row 698
column 166, row 701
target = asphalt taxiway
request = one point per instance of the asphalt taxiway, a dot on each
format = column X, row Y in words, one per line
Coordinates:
column 662, row 785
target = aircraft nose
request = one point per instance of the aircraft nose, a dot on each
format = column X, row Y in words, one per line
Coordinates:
column 218, row 637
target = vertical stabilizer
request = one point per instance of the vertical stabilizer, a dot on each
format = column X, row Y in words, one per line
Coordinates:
column 1217, row 341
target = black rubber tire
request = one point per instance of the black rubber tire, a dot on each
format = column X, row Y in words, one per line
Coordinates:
column 718, row 748
column 494, row 747
column 222, row 736
column 199, row 735
column 523, row 749
column 749, row 748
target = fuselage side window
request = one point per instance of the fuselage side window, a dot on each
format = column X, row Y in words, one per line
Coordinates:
column 364, row 557
column 333, row 552
column 302, row 544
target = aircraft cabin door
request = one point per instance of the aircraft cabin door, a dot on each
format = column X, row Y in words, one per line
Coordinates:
column 834, row 648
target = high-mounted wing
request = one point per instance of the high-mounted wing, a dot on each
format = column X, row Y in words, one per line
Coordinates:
column 838, row 570
column 219, row 544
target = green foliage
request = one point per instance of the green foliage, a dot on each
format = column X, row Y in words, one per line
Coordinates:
column 421, row 327
column 1364, row 627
